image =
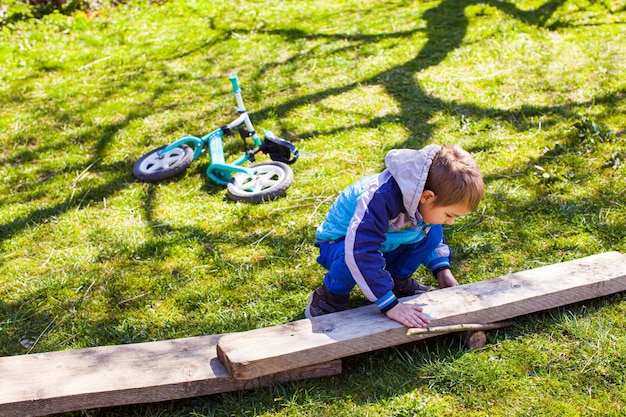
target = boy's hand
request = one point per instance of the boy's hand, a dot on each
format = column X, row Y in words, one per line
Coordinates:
column 409, row 315
column 446, row 279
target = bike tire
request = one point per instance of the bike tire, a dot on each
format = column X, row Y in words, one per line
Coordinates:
column 269, row 182
column 152, row 168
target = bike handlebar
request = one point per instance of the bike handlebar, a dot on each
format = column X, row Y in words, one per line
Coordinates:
column 235, row 82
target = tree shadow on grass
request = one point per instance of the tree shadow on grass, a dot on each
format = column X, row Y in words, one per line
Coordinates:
column 445, row 30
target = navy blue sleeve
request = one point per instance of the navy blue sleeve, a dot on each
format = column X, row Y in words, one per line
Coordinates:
column 379, row 203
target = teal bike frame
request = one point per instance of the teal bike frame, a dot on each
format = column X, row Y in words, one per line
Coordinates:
column 218, row 170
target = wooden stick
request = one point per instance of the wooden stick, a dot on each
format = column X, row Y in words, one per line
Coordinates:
column 453, row 328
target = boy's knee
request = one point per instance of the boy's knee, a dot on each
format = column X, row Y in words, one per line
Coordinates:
column 435, row 234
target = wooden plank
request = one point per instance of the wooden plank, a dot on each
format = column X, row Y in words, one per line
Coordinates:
column 56, row 382
column 305, row 342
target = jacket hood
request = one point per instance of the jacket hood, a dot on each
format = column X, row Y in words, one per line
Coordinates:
column 409, row 167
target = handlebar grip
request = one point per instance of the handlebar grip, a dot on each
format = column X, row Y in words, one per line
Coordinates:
column 235, row 82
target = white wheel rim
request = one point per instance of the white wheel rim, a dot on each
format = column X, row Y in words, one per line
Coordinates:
column 264, row 179
column 156, row 163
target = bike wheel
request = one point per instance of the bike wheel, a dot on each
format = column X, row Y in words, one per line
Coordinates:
column 151, row 167
column 269, row 181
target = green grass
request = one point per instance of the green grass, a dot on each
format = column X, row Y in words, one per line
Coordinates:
column 535, row 90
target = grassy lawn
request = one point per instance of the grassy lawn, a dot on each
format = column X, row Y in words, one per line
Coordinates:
column 89, row 256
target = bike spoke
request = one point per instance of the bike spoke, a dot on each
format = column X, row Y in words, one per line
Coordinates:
column 156, row 163
column 262, row 181
column 266, row 182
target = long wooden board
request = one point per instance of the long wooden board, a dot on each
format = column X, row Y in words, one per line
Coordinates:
column 56, row 382
column 306, row 342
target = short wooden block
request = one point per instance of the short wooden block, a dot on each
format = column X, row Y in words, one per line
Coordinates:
column 48, row 383
column 306, row 342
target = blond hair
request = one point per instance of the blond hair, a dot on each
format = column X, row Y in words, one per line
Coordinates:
column 455, row 178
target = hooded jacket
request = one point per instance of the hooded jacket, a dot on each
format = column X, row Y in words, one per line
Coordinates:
column 378, row 213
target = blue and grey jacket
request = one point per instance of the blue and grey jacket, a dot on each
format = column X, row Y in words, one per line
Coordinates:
column 377, row 214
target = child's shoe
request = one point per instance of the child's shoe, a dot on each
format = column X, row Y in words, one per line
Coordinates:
column 323, row 302
column 408, row 287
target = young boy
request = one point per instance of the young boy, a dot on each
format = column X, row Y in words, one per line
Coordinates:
column 383, row 227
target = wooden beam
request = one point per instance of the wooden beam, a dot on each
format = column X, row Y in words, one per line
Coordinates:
column 305, row 342
column 56, row 382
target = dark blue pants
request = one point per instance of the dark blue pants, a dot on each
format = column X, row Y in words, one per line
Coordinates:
column 401, row 262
